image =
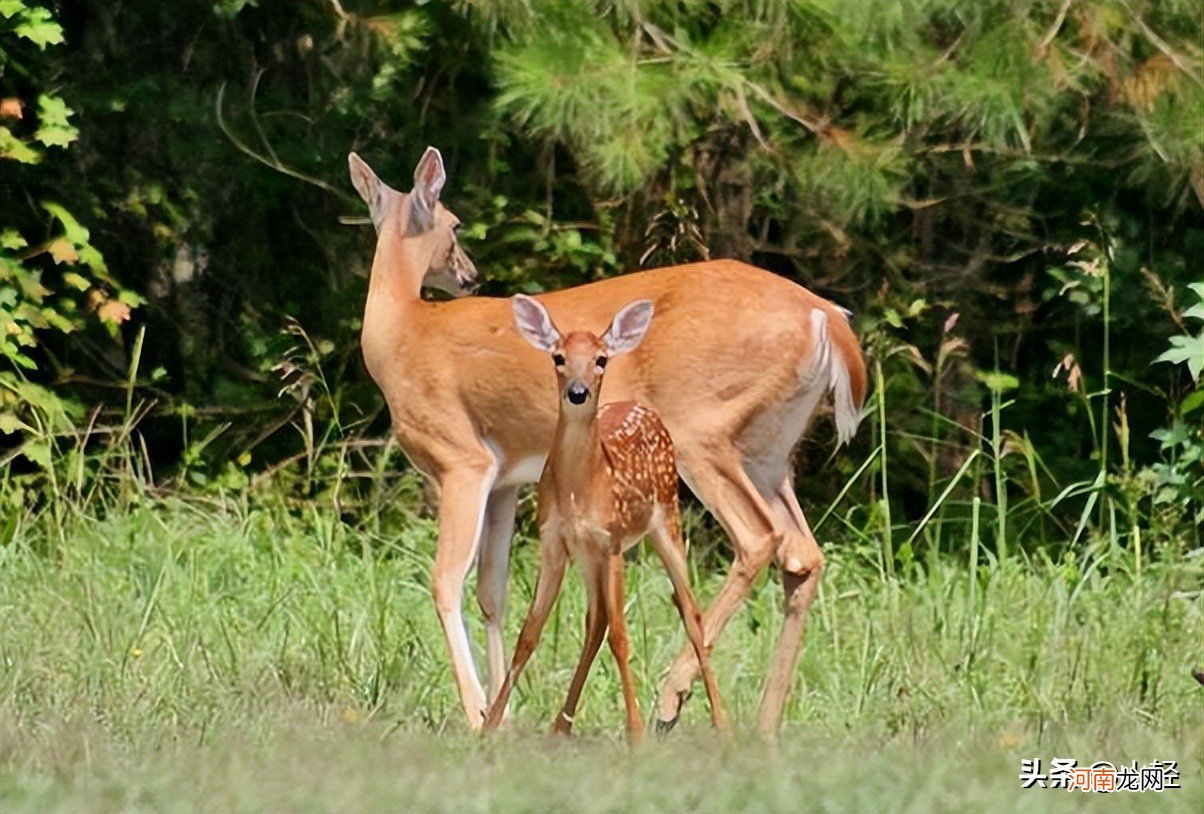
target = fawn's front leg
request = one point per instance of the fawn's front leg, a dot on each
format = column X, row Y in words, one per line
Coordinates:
column 552, row 560
column 594, row 572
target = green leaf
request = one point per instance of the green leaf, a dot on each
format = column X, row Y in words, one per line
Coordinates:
column 134, row 299
column 10, row 7
column 38, row 26
column 11, row 239
column 997, row 381
column 90, row 256
column 10, row 423
column 229, row 9
column 1193, row 402
column 54, row 129
column 76, row 233
column 1188, row 350
column 1178, row 433
column 57, row 321
column 12, row 147
column 76, row 281
column 37, row 451
column 1195, row 312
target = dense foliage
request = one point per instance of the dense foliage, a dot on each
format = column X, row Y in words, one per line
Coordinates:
column 998, row 189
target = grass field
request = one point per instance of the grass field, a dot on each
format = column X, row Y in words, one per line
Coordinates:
column 212, row 655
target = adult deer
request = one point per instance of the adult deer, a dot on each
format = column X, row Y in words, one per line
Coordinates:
column 735, row 365
column 610, row 479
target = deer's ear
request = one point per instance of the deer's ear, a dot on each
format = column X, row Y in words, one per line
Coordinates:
column 627, row 329
column 534, row 322
column 369, row 186
column 429, row 178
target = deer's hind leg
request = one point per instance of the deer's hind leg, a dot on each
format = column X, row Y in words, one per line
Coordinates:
column 802, row 565
column 715, row 474
column 493, row 569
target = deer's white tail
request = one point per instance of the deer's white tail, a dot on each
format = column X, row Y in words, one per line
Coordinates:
column 837, row 372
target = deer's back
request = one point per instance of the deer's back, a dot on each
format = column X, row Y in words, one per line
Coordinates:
column 728, row 340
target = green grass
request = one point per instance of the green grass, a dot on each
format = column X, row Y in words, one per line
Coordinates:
column 209, row 655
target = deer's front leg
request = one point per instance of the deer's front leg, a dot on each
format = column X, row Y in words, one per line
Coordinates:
column 462, row 500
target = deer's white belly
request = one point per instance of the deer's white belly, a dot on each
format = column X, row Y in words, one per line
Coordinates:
column 524, row 470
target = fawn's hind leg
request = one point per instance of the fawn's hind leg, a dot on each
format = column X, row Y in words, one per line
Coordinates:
column 620, row 645
column 670, row 547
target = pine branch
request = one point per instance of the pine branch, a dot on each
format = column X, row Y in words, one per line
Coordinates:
column 1043, row 47
column 1176, row 59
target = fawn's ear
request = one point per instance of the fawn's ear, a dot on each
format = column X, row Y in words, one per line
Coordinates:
column 429, row 178
column 373, row 190
column 627, row 329
column 534, row 322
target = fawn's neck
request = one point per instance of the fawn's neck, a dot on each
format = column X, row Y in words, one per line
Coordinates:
column 575, row 456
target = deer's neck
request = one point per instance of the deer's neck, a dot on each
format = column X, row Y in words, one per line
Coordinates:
column 575, row 456
column 394, row 296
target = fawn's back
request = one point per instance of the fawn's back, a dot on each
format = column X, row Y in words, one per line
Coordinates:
column 641, row 466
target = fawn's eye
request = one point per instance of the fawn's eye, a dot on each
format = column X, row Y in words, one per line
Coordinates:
column 600, row 361
column 558, row 359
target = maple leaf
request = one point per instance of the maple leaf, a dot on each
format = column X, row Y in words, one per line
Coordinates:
column 38, row 26
column 1187, row 350
column 62, row 251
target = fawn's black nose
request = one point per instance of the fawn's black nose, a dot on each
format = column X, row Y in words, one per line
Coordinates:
column 577, row 393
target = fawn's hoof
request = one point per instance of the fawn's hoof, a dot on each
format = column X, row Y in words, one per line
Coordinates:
column 562, row 726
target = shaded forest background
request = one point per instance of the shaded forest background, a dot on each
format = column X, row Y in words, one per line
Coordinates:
column 1008, row 195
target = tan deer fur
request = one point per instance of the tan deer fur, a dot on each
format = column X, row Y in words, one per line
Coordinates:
column 735, row 365
column 610, row 480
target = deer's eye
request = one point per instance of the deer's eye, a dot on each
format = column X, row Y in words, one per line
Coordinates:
column 600, row 362
column 558, row 359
